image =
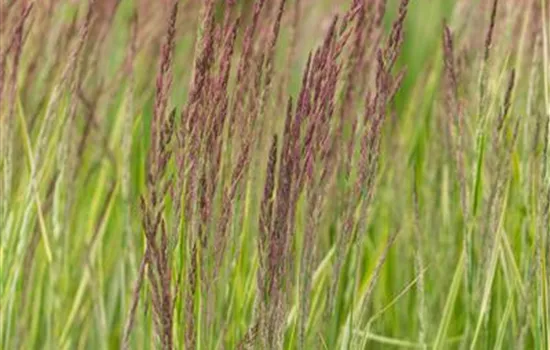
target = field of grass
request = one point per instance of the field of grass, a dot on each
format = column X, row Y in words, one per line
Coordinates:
column 274, row 174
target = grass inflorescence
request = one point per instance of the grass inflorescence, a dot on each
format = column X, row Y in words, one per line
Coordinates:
column 225, row 174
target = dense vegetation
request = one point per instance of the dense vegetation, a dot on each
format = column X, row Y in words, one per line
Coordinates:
column 274, row 174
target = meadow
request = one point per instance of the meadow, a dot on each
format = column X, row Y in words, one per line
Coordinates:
column 274, row 174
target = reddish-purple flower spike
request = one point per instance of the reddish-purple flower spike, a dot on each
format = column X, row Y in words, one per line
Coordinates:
column 250, row 122
column 306, row 78
column 380, row 82
column 193, row 127
column 203, row 60
column 219, row 108
column 307, row 173
column 319, row 124
column 329, row 40
column 454, row 109
column 396, row 36
column 288, row 136
column 241, row 166
column 489, row 36
column 7, row 129
column 396, row 84
column 244, row 63
column 266, row 213
column 284, row 182
column 328, row 113
column 341, row 43
column 227, row 54
column 314, row 69
column 294, row 34
column 272, row 43
column 355, row 10
column 449, row 61
column 265, row 274
column 318, row 83
column 255, row 95
column 380, row 12
column 357, row 51
column 488, row 44
column 16, row 40
column 25, row 11
column 157, row 187
column 159, row 133
column 507, row 100
column 204, row 204
column 302, row 109
column 227, row 26
column 301, row 114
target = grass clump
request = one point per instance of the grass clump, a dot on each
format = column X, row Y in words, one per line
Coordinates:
column 274, row 174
